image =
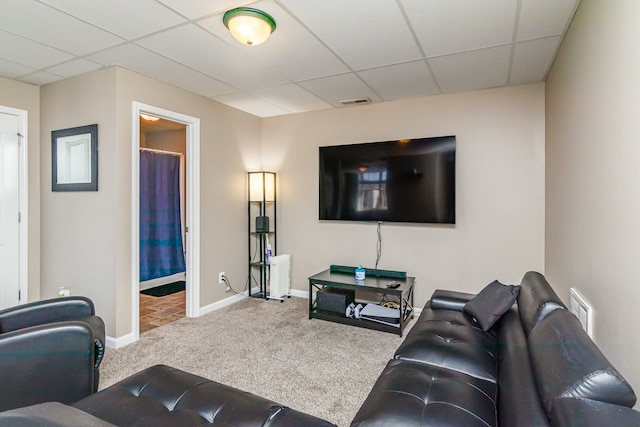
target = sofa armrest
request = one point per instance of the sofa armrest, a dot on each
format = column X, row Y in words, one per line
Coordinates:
column 97, row 328
column 46, row 311
column 569, row 411
column 50, row 414
column 53, row 362
column 449, row 300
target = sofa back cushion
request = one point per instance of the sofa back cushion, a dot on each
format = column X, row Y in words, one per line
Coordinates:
column 566, row 363
column 536, row 300
column 519, row 403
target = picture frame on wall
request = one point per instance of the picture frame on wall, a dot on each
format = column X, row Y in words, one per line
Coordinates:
column 74, row 159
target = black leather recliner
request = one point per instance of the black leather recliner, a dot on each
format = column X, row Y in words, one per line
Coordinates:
column 49, row 351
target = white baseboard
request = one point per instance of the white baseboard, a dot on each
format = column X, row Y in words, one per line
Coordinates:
column 220, row 304
column 299, row 294
column 119, row 342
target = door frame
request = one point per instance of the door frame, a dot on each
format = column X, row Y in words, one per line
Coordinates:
column 23, row 200
column 192, row 218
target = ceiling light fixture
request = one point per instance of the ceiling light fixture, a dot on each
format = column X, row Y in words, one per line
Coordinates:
column 149, row 118
column 248, row 25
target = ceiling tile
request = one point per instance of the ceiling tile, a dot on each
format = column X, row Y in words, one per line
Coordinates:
column 11, row 70
column 153, row 65
column 74, row 68
column 292, row 98
column 338, row 88
column 446, row 26
column 478, row 69
column 408, row 80
column 363, row 33
column 194, row 9
column 27, row 52
column 543, row 18
column 197, row 49
column 46, row 25
column 126, row 18
column 251, row 105
column 40, row 78
column 532, row 60
column 291, row 50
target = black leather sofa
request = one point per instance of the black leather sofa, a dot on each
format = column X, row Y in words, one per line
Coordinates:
column 167, row 397
column 534, row 367
column 49, row 350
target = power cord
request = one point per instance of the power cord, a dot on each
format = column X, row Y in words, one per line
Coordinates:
column 379, row 244
column 229, row 287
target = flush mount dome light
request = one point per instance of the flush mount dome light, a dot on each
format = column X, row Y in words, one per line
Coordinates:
column 248, row 25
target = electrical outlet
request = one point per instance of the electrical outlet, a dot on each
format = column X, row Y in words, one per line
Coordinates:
column 221, row 277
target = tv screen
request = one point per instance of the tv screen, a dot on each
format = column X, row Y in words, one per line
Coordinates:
column 410, row 180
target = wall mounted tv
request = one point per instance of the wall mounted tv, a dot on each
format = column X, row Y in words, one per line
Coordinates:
column 409, row 180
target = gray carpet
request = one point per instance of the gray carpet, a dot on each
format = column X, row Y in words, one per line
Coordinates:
column 268, row 348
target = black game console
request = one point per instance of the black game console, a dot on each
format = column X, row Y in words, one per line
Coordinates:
column 334, row 299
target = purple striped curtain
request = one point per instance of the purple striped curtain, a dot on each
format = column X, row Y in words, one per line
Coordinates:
column 161, row 250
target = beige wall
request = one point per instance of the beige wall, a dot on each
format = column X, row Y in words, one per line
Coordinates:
column 87, row 237
column 24, row 96
column 78, row 239
column 593, row 173
column 500, row 189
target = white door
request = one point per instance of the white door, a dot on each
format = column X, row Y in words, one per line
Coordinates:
column 9, row 210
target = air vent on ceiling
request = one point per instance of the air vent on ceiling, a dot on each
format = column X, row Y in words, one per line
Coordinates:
column 355, row 101
column 582, row 309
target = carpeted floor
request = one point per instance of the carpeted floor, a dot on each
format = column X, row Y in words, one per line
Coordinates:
column 271, row 349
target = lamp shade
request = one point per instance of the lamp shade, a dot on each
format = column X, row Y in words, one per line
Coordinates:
column 248, row 25
column 262, row 186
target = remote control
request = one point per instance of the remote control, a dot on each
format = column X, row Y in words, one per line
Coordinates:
column 394, row 284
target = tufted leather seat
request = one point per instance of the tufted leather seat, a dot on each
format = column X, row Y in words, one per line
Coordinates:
column 164, row 396
column 414, row 393
column 453, row 340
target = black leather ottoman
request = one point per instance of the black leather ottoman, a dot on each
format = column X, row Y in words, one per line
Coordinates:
column 164, row 396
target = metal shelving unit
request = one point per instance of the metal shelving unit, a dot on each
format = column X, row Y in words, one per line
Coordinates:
column 261, row 226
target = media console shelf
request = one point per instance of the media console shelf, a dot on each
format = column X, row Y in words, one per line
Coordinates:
column 373, row 289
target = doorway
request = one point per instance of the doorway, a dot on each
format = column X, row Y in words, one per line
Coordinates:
column 162, row 225
column 13, row 207
column 191, row 219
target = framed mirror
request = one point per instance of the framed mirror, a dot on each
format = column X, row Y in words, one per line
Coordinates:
column 74, row 159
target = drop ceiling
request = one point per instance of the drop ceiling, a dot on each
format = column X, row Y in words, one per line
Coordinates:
column 323, row 52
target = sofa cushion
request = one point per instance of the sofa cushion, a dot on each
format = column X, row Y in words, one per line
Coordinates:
column 164, row 396
column 491, row 303
column 453, row 340
column 536, row 300
column 415, row 394
column 566, row 363
column 518, row 400
column 570, row 412
column 50, row 414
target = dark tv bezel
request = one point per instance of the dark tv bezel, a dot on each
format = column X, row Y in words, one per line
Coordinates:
column 349, row 220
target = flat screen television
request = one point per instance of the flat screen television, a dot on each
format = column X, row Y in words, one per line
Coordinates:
column 409, row 180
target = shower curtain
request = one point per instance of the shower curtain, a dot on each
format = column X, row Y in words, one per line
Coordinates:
column 161, row 249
